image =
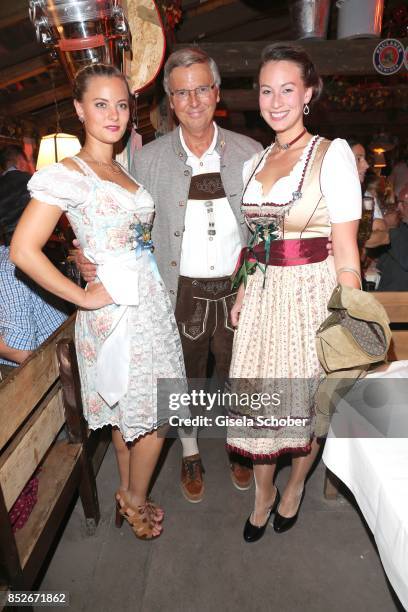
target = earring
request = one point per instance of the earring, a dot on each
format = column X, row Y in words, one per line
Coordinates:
column 81, row 119
column 306, row 109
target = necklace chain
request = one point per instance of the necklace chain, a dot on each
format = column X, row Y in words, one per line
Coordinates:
column 114, row 166
column 285, row 147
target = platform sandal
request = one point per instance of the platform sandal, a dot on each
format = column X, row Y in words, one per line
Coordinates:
column 141, row 518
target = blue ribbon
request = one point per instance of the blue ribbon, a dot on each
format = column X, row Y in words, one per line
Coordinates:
column 144, row 243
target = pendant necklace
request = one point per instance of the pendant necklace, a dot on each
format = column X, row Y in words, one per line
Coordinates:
column 114, row 166
column 285, row 147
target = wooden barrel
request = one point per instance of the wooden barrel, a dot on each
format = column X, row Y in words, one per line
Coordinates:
column 148, row 43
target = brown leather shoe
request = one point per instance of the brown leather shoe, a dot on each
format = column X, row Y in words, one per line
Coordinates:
column 241, row 476
column 192, row 485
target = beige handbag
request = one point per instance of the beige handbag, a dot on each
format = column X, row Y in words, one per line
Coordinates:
column 355, row 335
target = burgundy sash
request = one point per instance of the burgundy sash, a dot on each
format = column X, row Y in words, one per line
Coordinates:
column 287, row 252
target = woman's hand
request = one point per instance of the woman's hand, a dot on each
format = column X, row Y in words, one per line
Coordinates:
column 329, row 246
column 95, row 297
column 237, row 307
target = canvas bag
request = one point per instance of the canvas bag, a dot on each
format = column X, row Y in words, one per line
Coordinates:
column 355, row 335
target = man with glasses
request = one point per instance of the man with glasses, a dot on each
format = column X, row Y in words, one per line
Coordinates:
column 195, row 177
column 194, row 174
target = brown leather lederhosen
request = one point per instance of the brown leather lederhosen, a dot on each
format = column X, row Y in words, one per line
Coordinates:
column 204, row 304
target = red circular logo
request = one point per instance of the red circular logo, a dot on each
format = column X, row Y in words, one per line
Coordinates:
column 388, row 56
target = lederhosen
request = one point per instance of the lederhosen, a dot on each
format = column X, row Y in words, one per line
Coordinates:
column 204, row 304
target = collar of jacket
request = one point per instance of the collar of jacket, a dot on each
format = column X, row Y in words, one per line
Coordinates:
column 179, row 149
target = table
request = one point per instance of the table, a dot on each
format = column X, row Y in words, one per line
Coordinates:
column 374, row 467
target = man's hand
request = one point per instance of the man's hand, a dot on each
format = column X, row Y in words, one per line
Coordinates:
column 12, row 354
column 86, row 268
column 330, row 246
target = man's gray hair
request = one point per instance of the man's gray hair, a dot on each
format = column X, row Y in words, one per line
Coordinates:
column 185, row 58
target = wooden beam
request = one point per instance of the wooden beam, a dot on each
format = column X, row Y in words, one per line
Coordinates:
column 25, row 70
column 56, row 471
column 205, row 7
column 395, row 303
column 228, row 18
column 332, row 57
column 22, row 54
column 247, row 100
column 13, row 12
column 259, row 29
column 20, row 460
column 38, row 101
column 22, row 389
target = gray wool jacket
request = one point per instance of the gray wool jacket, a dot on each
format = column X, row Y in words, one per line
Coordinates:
column 161, row 168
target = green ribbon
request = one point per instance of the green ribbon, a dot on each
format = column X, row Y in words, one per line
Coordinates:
column 261, row 233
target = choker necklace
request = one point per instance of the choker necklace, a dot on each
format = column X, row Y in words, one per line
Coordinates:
column 114, row 166
column 285, row 147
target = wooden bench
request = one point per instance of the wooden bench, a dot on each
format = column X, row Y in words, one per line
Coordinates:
column 396, row 305
column 36, row 402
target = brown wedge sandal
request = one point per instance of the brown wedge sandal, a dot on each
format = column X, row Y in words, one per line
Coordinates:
column 141, row 518
column 158, row 512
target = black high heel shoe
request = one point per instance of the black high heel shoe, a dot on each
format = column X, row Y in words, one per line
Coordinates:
column 284, row 523
column 252, row 533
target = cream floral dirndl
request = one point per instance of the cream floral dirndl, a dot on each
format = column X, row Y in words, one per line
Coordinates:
column 274, row 345
column 123, row 348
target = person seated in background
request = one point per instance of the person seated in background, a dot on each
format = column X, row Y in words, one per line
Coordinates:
column 13, row 187
column 378, row 239
column 392, row 217
column 373, row 231
column 399, row 174
column 379, row 232
column 28, row 314
column 393, row 265
column 378, row 235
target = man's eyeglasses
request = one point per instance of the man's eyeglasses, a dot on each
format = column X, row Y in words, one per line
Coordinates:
column 203, row 91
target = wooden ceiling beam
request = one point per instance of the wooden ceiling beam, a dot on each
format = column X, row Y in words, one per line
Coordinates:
column 332, row 57
column 228, row 17
column 247, row 100
column 240, row 100
column 24, row 54
column 37, row 101
column 206, row 7
column 25, row 70
column 259, row 29
column 12, row 13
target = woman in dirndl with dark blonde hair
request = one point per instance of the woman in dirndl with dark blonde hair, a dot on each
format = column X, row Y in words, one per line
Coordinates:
column 126, row 336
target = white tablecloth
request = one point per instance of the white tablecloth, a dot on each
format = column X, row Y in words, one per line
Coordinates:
column 375, row 469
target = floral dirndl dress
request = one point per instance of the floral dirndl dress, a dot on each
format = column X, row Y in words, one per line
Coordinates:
column 124, row 348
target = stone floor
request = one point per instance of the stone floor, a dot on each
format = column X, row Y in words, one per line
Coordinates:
column 202, row 564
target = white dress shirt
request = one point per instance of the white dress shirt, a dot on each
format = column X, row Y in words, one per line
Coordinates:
column 204, row 255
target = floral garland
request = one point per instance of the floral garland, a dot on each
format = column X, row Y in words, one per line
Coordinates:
column 395, row 19
column 371, row 95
